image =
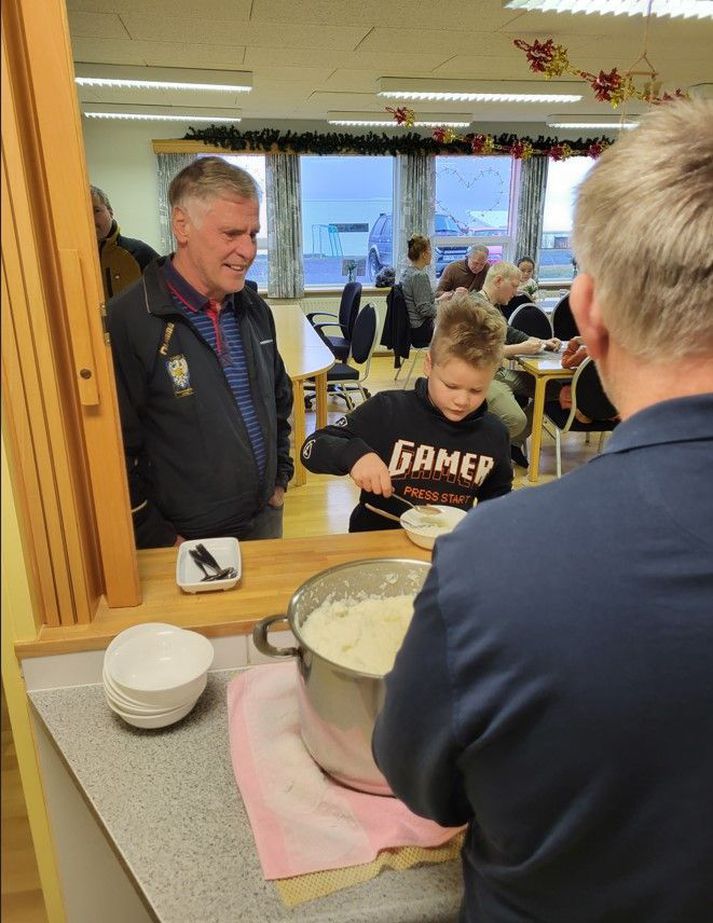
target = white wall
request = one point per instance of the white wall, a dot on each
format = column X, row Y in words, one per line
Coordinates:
column 121, row 161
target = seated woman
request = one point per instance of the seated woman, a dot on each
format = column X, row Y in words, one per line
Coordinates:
column 418, row 293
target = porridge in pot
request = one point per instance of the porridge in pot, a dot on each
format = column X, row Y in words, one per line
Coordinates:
column 361, row 634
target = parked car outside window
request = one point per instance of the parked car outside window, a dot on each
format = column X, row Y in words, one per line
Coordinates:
column 381, row 244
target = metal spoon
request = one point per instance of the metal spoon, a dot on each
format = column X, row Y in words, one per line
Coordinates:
column 424, row 508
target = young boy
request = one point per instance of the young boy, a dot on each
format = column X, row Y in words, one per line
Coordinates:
column 435, row 444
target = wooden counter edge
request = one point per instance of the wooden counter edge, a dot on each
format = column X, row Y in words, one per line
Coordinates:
column 272, row 571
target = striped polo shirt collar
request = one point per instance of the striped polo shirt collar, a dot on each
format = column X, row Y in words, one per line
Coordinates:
column 184, row 292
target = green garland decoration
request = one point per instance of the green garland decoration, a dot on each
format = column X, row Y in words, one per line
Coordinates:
column 273, row 140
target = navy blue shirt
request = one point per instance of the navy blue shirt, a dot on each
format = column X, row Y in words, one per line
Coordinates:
column 555, row 687
column 218, row 325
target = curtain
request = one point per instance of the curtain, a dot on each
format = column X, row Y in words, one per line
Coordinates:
column 531, row 207
column 417, row 195
column 285, row 270
column 167, row 166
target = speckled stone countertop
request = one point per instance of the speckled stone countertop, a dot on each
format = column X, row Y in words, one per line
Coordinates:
column 170, row 806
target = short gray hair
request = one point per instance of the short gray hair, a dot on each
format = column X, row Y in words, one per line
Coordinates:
column 210, row 178
column 478, row 248
column 643, row 229
column 98, row 193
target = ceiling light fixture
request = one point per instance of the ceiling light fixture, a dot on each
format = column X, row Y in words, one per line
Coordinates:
column 425, row 119
column 687, row 9
column 164, row 78
column 477, row 90
column 611, row 122
column 159, row 113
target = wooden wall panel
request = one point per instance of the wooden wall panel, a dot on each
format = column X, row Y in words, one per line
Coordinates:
column 67, row 422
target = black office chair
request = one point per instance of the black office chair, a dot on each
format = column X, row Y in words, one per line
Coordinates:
column 589, row 398
column 342, row 323
column 564, row 325
column 515, row 302
column 345, row 378
column 531, row 320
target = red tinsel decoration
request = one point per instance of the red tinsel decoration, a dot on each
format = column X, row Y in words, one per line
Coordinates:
column 403, row 115
column 544, row 57
column 521, row 150
column 595, row 149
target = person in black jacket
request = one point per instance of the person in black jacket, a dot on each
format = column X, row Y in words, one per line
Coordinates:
column 435, row 444
column 203, row 392
column 122, row 259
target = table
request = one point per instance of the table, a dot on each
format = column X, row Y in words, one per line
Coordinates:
column 543, row 368
column 305, row 356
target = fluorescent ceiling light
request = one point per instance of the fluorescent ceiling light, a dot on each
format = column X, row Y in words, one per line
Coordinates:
column 164, row 78
column 698, row 9
column 611, row 122
column 478, row 90
column 159, row 113
column 425, row 119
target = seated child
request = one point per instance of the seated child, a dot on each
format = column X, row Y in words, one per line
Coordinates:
column 528, row 285
column 435, row 444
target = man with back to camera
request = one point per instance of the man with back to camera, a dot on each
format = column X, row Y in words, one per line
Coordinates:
column 468, row 273
column 573, row 732
column 122, row 259
column 203, row 392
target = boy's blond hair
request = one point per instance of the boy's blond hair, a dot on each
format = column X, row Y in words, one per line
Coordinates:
column 502, row 270
column 643, row 229
column 469, row 330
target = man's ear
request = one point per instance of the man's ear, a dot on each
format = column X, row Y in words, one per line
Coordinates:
column 427, row 363
column 181, row 224
column 588, row 316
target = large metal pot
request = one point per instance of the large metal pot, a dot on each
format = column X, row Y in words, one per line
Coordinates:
column 338, row 706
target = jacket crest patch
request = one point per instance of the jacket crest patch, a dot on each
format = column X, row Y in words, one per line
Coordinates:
column 177, row 367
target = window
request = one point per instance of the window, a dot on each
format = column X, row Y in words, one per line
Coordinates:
column 563, row 178
column 254, row 164
column 473, row 196
column 347, row 204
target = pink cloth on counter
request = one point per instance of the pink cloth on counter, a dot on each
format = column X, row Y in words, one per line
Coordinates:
column 302, row 820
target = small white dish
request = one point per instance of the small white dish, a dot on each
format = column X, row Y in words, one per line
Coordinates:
column 423, row 532
column 154, row 721
column 189, row 576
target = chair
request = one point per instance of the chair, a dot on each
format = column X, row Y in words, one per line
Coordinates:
column 515, row 302
column 344, row 378
column 531, row 320
column 589, row 398
column 397, row 333
column 343, row 322
column 564, row 326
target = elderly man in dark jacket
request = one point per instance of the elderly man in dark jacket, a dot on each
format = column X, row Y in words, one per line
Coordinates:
column 203, row 392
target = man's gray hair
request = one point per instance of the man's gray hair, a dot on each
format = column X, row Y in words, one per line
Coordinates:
column 643, row 229
column 98, row 193
column 478, row 248
column 210, row 178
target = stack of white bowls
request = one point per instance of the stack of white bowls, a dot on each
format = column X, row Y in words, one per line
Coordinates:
column 155, row 673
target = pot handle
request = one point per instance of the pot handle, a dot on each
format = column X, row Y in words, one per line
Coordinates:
column 263, row 645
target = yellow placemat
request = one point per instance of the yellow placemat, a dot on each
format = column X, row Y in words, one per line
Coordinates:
column 303, row 888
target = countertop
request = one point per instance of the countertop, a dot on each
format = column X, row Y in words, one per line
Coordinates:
column 170, row 807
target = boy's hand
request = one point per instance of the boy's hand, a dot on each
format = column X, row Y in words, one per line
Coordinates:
column 370, row 473
column 553, row 344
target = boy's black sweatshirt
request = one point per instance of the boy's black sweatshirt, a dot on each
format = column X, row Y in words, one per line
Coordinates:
column 430, row 459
